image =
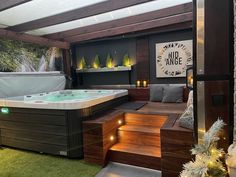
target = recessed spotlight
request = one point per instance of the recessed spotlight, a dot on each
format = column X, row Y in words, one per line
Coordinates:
column 119, row 122
column 111, row 138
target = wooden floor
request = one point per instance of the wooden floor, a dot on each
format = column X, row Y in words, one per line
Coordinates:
column 159, row 107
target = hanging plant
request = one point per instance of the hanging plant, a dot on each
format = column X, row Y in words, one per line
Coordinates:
column 96, row 62
column 109, row 61
column 126, row 60
column 82, row 63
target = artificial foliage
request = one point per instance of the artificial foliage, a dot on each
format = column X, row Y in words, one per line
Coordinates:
column 109, row 61
column 82, row 63
column 207, row 161
column 126, row 60
column 15, row 53
column 96, row 62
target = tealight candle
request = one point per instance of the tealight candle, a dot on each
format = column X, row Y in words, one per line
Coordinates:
column 144, row 83
column 138, row 83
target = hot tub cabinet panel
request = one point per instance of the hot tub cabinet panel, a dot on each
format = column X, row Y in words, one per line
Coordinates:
column 49, row 131
column 57, row 132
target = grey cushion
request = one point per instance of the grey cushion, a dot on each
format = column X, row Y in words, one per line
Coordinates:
column 172, row 94
column 156, row 92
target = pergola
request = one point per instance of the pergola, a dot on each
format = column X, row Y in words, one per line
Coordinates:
column 60, row 23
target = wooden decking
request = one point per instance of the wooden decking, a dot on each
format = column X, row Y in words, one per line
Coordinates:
column 146, row 137
column 139, row 141
column 166, row 108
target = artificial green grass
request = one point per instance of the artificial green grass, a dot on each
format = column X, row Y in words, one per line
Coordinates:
column 16, row 163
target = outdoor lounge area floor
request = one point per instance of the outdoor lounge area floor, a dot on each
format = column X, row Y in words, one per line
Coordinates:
column 17, row 163
column 122, row 170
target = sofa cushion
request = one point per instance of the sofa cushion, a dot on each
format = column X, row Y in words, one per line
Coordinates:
column 156, row 92
column 172, row 94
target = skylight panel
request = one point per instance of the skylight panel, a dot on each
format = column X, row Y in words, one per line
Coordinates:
column 113, row 15
column 37, row 9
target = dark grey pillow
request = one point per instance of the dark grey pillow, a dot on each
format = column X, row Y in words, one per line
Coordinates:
column 156, row 92
column 172, row 94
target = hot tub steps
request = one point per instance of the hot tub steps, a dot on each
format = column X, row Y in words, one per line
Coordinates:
column 139, row 135
column 138, row 155
column 140, row 128
column 139, row 141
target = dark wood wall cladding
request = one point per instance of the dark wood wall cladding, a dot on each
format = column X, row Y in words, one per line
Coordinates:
column 67, row 62
column 218, row 66
column 139, row 94
column 176, row 143
column 97, row 135
column 178, row 35
column 217, row 101
column 142, row 58
column 218, row 35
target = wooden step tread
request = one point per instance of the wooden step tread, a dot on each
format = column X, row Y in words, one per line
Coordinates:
column 139, row 128
column 137, row 149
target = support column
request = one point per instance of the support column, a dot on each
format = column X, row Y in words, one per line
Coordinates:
column 213, row 71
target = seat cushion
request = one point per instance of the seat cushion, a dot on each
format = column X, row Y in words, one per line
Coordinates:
column 172, row 94
column 156, row 92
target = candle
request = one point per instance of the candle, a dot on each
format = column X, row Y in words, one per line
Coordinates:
column 144, row 83
column 138, row 83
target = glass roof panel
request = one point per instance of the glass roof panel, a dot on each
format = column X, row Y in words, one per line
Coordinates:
column 37, row 9
column 117, row 14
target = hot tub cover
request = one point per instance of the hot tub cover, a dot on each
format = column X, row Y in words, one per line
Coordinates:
column 17, row 84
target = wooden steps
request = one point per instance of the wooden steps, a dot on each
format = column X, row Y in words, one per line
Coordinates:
column 138, row 128
column 139, row 141
column 145, row 119
column 139, row 135
column 144, row 156
column 137, row 149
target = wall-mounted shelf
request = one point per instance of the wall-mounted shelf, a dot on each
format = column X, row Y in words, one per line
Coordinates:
column 105, row 69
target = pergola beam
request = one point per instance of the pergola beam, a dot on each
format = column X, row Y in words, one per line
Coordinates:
column 76, row 14
column 179, row 9
column 6, row 4
column 171, row 20
column 33, row 39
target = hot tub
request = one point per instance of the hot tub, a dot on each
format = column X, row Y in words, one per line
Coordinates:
column 52, row 122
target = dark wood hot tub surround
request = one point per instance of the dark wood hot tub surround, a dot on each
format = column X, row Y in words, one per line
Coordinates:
column 57, row 132
column 97, row 134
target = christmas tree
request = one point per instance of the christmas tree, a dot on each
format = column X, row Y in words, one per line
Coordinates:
column 207, row 161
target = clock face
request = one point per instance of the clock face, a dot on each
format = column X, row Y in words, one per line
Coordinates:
column 172, row 58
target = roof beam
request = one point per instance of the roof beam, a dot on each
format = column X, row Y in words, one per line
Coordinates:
column 183, row 8
column 6, row 4
column 33, row 39
column 76, row 14
column 171, row 20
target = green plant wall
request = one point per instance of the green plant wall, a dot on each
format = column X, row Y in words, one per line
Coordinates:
column 14, row 54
